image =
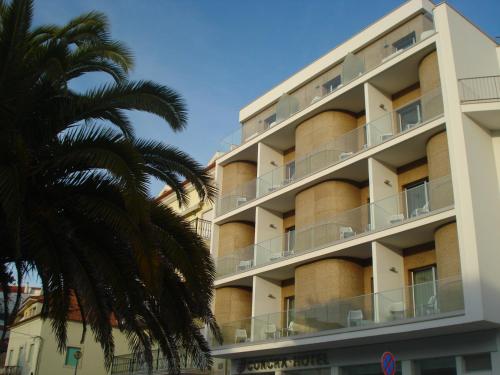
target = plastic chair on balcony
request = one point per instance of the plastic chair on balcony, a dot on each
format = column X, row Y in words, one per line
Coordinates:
column 421, row 211
column 240, row 335
column 244, row 265
column 397, row 310
column 431, row 306
column 291, row 330
column 241, row 200
column 346, row 232
column 345, row 155
column 354, row 318
column 270, row 331
column 396, row 219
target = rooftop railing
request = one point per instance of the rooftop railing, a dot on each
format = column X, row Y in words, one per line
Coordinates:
column 352, row 67
column 416, row 113
column 479, row 88
column 410, row 204
column 417, row 302
column 130, row 364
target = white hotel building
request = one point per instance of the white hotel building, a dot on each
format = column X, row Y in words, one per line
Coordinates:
column 359, row 208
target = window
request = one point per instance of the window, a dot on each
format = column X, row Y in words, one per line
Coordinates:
column 289, row 240
column 477, row 362
column 70, row 360
column 424, row 291
column 404, row 42
column 371, row 369
column 10, row 360
column 409, row 116
column 20, row 358
column 30, row 352
column 289, row 310
column 290, row 171
column 417, row 198
column 270, row 121
column 437, row 366
column 331, row 85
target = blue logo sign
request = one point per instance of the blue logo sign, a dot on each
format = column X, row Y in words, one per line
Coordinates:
column 388, row 363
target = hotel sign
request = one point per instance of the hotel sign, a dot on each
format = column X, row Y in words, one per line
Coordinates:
column 293, row 361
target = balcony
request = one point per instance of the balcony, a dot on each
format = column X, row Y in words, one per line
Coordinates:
column 411, row 204
column 135, row 365
column 428, row 107
column 480, row 98
column 352, row 67
column 419, row 302
column 202, row 227
column 479, row 89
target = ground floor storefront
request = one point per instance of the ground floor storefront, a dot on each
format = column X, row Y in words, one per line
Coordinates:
column 475, row 353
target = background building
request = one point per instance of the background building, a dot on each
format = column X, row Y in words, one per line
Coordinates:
column 359, row 205
column 200, row 214
column 26, row 291
column 33, row 350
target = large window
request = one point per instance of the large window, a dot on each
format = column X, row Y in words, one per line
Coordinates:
column 290, row 171
column 477, row 362
column 270, row 121
column 30, row 352
column 437, row 366
column 371, row 369
column 10, row 359
column 20, row 358
column 331, row 85
column 70, row 360
column 289, row 311
column 319, row 371
column 409, row 116
column 289, row 240
column 417, row 198
column 424, row 291
column 404, row 42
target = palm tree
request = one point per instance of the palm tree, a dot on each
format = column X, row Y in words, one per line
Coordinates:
column 74, row 180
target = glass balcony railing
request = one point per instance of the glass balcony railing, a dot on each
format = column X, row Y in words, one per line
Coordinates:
column 407, row 205
column 352, row 67
column 428, row 300
column 413, row 114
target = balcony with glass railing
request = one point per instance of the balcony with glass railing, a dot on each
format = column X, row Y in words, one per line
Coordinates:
column 410, row 116
column 418, row 302
column 353, row 66
column 410, row 204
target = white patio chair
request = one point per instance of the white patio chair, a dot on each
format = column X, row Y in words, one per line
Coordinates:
column 346, row 232
column 345, row 155
column 270, row 331
column 396, row 218
column 354, row 318
column 240, row 335
column 244, row 265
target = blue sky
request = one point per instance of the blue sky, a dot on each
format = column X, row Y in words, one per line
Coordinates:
column 222, row 54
